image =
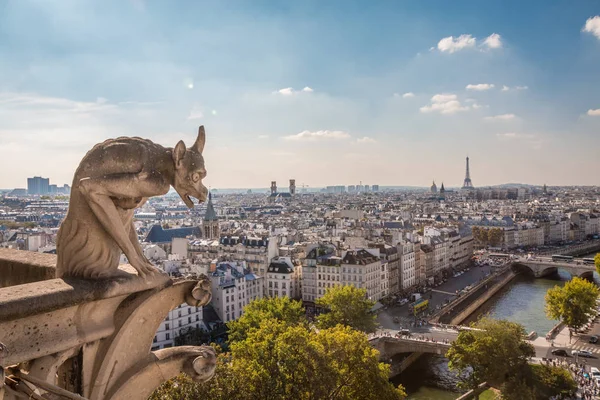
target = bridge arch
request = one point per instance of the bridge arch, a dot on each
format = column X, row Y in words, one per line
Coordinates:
column 523, row 268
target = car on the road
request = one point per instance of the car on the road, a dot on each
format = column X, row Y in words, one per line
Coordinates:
column 582, row 353
column 593, row 339
column 396, row 320
column 560, row 352
column 595, row 372
column 402, row 301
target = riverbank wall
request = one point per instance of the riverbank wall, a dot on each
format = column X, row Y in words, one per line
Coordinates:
column 459, row 309
column 477, row 303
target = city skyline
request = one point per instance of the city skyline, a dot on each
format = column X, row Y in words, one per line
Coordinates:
column 387, row 94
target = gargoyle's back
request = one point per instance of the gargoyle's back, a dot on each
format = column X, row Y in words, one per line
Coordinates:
column 122, row 155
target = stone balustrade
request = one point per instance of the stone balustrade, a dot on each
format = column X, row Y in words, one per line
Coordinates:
column 84, row 339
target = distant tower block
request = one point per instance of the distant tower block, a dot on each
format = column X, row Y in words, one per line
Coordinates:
column 273, row 187
column 292, row 187
column 467, row 184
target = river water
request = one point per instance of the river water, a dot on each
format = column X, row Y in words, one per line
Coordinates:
column 521, row 301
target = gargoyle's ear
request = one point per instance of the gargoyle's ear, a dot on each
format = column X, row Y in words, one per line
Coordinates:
column 178, row 153
column 199, row 145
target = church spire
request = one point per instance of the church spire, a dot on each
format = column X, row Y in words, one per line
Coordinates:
column 210, row 215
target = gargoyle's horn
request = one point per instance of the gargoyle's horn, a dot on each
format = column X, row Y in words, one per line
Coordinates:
column 199, row 144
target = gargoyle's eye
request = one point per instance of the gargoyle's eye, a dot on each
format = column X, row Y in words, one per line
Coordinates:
column 195, row 177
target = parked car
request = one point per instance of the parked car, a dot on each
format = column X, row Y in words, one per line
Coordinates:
column 560, row 352
column 582, row 353
column 593, row 339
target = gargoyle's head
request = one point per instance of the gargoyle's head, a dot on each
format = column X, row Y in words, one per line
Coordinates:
column 189, row 170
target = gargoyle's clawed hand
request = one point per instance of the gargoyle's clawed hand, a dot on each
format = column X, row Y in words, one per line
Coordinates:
column 143, row 267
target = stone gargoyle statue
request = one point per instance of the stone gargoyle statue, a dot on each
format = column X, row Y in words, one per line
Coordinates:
column 113, row 179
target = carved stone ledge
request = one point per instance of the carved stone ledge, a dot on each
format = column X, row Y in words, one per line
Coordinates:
column 102, row 330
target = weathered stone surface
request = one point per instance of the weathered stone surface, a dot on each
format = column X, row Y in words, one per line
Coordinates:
column 103, row 328
column 114, row 178
column 41, row 297
column 19, row 267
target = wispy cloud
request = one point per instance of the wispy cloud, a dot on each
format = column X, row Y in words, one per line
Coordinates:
column 263, row 136
column 507, row 88
column 365, row 140
column 592, row 25
column 501, row 117
column 289, row 91
column 480, row 86
column 196, row 113
column 444, row 104
column 311, row 136
column 408, row 95
column 453, row 44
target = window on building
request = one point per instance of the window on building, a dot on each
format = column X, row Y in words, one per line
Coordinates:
column 167, row 336
column 180, row 323
column 179, row 313
column 167, row 327
column 189, row 310
column 155, row 339
column 197, row 317
column 189, row 320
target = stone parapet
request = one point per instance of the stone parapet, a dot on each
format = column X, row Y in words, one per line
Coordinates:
column 18, row 267
column 93, row 338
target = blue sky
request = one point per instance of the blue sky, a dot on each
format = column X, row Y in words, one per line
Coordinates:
column 336, row 92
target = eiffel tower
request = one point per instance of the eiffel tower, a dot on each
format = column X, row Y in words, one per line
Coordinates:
column 468, row 184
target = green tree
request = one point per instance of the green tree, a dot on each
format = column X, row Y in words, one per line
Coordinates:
column 282, row 309
column 346, row 305
column 597, row 262
column 495, row 236
column 493, row 352
column 549, row 381
column 281, row 361
column 572, row 303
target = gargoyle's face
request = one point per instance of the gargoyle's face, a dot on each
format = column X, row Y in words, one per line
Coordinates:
column 189, row 170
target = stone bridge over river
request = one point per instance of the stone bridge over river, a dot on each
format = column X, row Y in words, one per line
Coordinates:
column 541, row 267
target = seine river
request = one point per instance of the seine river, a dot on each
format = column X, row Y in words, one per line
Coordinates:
column 521, row 301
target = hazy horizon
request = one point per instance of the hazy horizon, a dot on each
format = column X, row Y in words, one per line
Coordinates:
column 390, row 93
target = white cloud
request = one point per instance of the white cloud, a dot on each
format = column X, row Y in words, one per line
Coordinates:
column 263, row 136
column 317, row 135
column 289, row 91
column 493, row 41
column 450, row 44
column 444, row 104
column 441, row 98
column 507, row 88
column 478, row 106
column 594, row 113
column 286, row 91
column 501, row 117
column 366, row 139
column 592, row 25
column 196, row 113
column 480, row 86
column 408, row 95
